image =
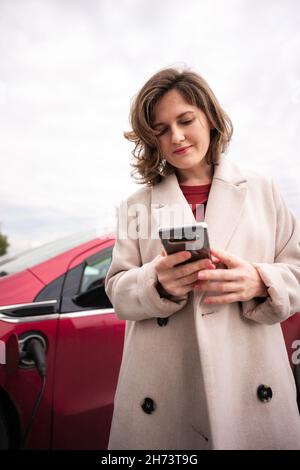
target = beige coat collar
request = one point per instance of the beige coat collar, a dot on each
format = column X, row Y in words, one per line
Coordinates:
column 224, row 207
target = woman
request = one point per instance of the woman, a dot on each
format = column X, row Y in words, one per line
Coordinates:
column 204, row 363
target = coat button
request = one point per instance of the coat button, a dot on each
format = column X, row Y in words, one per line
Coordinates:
column 264, row 393
column 162, row 321
column 148, row 405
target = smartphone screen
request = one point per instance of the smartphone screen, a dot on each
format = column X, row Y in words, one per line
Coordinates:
column 192, row 238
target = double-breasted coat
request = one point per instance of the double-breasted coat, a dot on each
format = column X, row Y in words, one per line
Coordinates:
column 197, row 376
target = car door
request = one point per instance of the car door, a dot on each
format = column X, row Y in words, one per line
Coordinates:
column 25, row 401
column 89, row 350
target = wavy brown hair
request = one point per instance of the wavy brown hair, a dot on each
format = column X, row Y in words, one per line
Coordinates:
column 149, row 166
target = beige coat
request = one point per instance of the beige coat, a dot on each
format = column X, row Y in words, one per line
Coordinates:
column 196, row 373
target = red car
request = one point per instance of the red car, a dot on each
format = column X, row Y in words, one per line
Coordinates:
column 53, row 308
column 55, row 295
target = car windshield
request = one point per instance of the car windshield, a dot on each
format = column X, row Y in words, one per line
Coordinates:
column 10, row 264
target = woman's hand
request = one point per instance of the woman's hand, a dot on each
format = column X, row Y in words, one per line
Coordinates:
column 238, row 283
column 178, row 280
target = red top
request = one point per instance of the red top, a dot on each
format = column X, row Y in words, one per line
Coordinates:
column 196, row 197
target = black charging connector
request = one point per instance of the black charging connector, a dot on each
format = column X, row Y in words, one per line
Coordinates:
column 34, row 350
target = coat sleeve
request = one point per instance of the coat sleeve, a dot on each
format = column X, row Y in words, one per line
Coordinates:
column 282, row 278
column 130, row 284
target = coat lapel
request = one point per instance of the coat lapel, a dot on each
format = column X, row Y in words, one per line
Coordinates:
column 169, row 206
column 224, row 207
column 225, row 203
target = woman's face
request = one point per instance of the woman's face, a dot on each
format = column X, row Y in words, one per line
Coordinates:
column 183, row 131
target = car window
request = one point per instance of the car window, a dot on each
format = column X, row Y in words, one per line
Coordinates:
column 94, row 274
column 15, row 263
column 84, row 286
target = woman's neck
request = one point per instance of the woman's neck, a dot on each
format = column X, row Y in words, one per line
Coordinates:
column 195, row 178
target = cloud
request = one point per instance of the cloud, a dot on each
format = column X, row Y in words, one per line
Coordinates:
column 69, row 70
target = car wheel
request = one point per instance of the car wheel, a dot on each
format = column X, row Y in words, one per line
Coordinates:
column 4, row 438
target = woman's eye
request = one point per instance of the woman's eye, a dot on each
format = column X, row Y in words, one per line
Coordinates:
column 187, row 122
column 160, row 132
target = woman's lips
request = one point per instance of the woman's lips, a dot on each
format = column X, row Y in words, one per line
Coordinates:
column 182, row 150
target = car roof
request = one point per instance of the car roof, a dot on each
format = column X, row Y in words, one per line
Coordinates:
column 25, row 260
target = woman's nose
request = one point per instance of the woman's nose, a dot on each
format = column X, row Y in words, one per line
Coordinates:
column 177, row 135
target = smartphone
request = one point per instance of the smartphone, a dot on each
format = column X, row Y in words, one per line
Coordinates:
column 192, row 238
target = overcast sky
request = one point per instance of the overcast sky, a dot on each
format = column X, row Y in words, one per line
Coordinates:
column 68, row 72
